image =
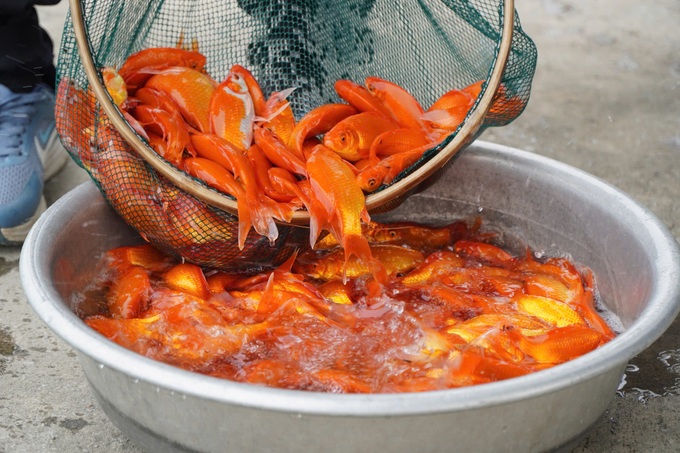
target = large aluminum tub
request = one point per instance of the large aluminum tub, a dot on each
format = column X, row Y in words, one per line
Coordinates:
column 554, row 208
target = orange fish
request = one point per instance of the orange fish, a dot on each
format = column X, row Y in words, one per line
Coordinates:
column 145, row 256
column 232, row 113
column 360, row 98
column 450, row 110
column 115, row 85
column 224, row 153
column 254, row 88
column 129, row 295
column 560, row 344
column 338, row 205
column 188, row 278
column 397, row 141
column 218, row 177
column 549, row 310
column 190, row 89
column 283, row 181
column 277, row 152
column 403, row 107
column 140, row 66
column 415, row 235
column 76, row 131
column 387, row 169
column 352, row 137
column 435, row 265
column 170, row 126
column 318, row 121
column 278, row 114
column 331, row 266
column 261, row 166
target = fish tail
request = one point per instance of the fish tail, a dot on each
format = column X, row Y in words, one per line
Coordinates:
column 244, row 222
column 357, row 245
column 262, row 220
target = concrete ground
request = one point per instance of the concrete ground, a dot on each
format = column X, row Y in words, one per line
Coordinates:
column 606, row 99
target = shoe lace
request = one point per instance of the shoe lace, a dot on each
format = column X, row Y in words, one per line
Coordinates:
column 15, row 115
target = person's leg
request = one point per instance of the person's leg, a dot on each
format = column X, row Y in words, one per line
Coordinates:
column 30, row 151
column 26, row 57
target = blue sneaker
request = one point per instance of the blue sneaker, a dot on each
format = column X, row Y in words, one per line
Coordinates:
column 30, row 153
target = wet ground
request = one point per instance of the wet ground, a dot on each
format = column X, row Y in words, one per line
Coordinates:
column 605, row 99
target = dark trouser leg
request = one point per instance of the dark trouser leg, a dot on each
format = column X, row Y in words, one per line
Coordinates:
column 26, row 56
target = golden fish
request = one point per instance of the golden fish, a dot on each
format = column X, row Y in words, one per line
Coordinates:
column 339, row 206
column 232, row 114
column 352, row 137
column 331, row 266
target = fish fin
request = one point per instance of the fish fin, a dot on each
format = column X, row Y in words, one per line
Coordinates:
column 287, row 266
column 244, row 223
column 280, row 96
column 365, row 217
column 266, row 304
column 358, row 246
column 442, row 118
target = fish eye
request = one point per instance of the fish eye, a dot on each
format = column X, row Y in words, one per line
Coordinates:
column 392, row 234
column 372, row 182
column 342, row 138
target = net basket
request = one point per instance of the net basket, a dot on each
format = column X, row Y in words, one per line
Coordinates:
column 426, row 46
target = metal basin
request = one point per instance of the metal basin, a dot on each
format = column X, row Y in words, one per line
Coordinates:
column 554, row 208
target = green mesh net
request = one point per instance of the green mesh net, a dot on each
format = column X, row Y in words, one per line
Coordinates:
column 426, row 46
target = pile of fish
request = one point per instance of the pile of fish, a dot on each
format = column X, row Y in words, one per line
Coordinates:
column 248, row 144
column 453, row 310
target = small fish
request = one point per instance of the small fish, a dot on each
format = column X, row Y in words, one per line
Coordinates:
column 278, row 114
column 261, row 167
column 337, row 292
column 145, row 256
column 360, row 98
column 397, row 141
column 140, row 66
column 318, row 121
column 387, row 169
column 338, row 205
column 168, row 125
column 331, row 266
column 403, row 107
column 485, row 252
column 277, row 152
column 450, row 110
column 254, row 88
column 352, row 137
column 190, row 89
column 560, row 344
column 115, row 86
column 188, row 278
column 231, row 114
column 218, row 177
column 129, row 295
column 415, row 235
column 435, row 265
column 551, row 311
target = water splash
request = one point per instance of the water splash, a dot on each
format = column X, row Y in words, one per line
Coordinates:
column 668, row 384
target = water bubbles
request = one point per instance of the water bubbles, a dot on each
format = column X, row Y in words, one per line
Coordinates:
column 100, row 366
column 671, row 360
